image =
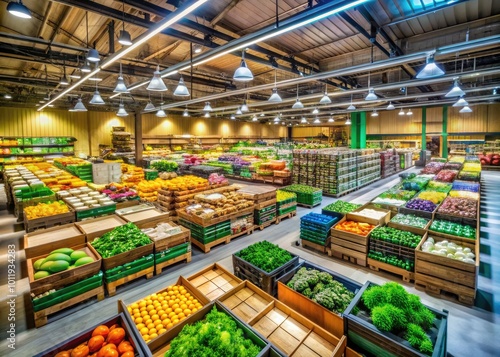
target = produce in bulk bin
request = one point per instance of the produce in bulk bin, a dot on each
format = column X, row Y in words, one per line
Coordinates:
column 472, row 166
column 164, row 165
column 416, row 183
column 410, row 220
column 457, row 166
column 466, row 186
column 359, row 228
column 405, row 263
column 462, row 207
column 340, row 206
column 396, row 236
column 439, row 186
column 432, row 168
column 446, row 175
column 433, row 196
column 305, row 194
column 120, row 240
column 217, row 179
column 439, row 159
column 465, row 194
column 473, row 176
column 395, row 196
column 118, row 192
column 285, row 197
column 45, row 209
column 450, row 250
column 421, row 205
column 315, row 227
column 389, row 321
column 60, row 260
column 453, row 228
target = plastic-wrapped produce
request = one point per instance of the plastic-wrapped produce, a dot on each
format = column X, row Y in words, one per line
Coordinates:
column 421, row 205
column 446, row 175
column 458, row 206
column 439, row 186
column 466, row 186
column 433, row 167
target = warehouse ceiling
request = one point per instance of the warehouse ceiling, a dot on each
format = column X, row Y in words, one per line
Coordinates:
column 381, row 44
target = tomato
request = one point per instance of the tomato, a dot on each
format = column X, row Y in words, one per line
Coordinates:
column 80, row 351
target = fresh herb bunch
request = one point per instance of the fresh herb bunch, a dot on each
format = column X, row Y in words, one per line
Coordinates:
column 321, row 288
column 395, row 310
column 120, row 240
column 265, row 255
column 341, row 207
column 164, row 166
column 216, row 335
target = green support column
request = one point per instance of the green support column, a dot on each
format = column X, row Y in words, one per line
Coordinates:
column 424, row 134
column 354, row 131
column 362, row 130
column 444, row 134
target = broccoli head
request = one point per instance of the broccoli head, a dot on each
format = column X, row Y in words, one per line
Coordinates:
column 388, row 318
column 374, row 296
column 307, row 293
column 325, row 278
column 318, row 288
column 300, row 284
column 418, row 339
column 397, row 295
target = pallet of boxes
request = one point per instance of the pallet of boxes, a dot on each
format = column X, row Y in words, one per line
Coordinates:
column 286, row 205
column 217, row 217
column 63, row 270
column 264, row 198
column 126, row 251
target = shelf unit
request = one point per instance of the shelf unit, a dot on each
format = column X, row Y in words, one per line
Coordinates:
column 13, row 146
column 396, row 144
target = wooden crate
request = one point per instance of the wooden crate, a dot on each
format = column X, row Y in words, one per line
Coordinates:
column 150, row 215
column 84, row 336
column 213, row 281
column 96, row 227
column 346, row 254
column 46, row 240
column 41, row 316
column 437, row 274
column 327, row 319
column 65, row 277
column 211, row 221
column 461, row 220
column 285, row 216
column 318, row 247
column 376, row 265
column 364, row 337
column 258, row 193
column 416, row 230
column 376, row 222
column 112, row 285
column 171, row 241
column 122, row 307
column 266, row 203
column 129, row 256
column 50, row 221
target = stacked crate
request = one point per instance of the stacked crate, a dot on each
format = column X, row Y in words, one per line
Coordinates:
column 387, row 163
column 105, row 173
column 368, row 167
column 286, row 207
column 315, row 230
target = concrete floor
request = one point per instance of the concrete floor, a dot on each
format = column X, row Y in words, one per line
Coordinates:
column 471, row 332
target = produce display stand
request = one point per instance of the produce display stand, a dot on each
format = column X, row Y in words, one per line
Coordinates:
column 132, row 270
column 42, row 241
column 264, row 280
column 425, row 214
column 206, row 222
column 265, row 213
column 48, row 221
column 148, row 215
column 305, row 199
column 95, row 212
column 327, row 319
column 161, row 344
column 122, row 308
column 290, row 214
column 96, row 227
column 84, row 336
column 286, row 209
column 438, row 274
column 291, row 333
column 315, row 246
column 349, row 246
column 20, row 203
column 461, row 220
column 213, row 281
column 67, row 296
column 364, row 337
column 382, row 221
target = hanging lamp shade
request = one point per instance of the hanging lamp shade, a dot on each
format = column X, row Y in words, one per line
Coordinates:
column 75, row 75
column 239, row 111
column 149, row 107
column 430, row 70
column 181, row 90
column 409, row 112
column 120, row 86
column 207, row 115
column 456, row 91
column 316, row 121
column 121, row 111
column 401, row 112
column 331, row 120
column 315, row 111
column 348, row 121
column 460, row 103
column 17, row 8
column 124, row 38
column 254, row 118
column 243, row 73
column 93, row 56
column 185, row 113
column 303, row 120
column 351, row 107
column 391, row 106
column 232, row 117
column 244, row 107
column 371, row 95
column 208, row 107
column 374, row 113
column 97, row 99
column 86, row 68
column 275, row 97
column 276, row 119
column 465, row 109
column 325, row 99
column 79, row 107
column 156, row 84
column 161, row 113
column 64, row 80
column 298, row 104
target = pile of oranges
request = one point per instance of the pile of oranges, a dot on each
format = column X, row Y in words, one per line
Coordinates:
column 157, row 313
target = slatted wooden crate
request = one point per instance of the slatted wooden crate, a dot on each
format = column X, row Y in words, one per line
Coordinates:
column 213, row 281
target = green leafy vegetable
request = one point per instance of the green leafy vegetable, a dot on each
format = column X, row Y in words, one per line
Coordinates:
column 120, row 240
column 164, row 166
column 265, row 255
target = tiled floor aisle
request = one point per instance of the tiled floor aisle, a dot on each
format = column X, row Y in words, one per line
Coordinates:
column 472, row 331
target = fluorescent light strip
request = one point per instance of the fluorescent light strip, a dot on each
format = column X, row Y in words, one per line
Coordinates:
column 69, row 89
column 153, row 32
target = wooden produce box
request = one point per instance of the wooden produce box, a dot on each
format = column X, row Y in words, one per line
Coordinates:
column 213, row 281
column 85, row 336
column 462, row 220
column 365, row 338
column 425, row 214
column 46, row 240
column 264, row 280
column 126, row 257
column 161, row 344
column 412, row 229
column 65, row 277
column 123, row 308
column 265, row 203
column 49, row 221
column 151, row 215
column 376, row 222
column 206, row 222
column 258, row 193
column 291, row 333
column 325, row 318
column 349, row 246
column 162, row 244
column 96, row 227
column 437, row 274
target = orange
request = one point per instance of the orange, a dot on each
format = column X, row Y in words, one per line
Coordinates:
column 168, row 311
column 136, row 310
column 175, row 321
column 178, row 310
column 156, row 322
column 193, row 310
column 138, row 320
column 153, row 335
column 144, row 331
column 170, row 325
column 183, row 306
column 140, row 327
column 149, row 307
column 180, row 315
column 162, row 331
column 151, row 331
column 144, row 313
column 152, row 312
column 187, row 312
column 134, row 306
column 175, row 306
column 142, row 303
column 159, row 327
column 150, row 325
column 155, row 317
column 146, row 337
column 148, row 321
column 191, row 306
column 164, row 316
column 169, row 288
column 171, row 314
column 165, row 322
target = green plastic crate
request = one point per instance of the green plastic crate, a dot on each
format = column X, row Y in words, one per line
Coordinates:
column 129, row 268
column 98, row 211
column 281, row 212
column 68, row 292
column 172, row 253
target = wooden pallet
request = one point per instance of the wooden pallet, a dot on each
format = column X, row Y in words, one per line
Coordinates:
column 41, row 316
column 316, row 246
column 284, row 216
column 376, row 265
column 265, row 224
column 48, row 222
column 347, row 255
column 248, row 231
column 449, row 292
column 205, row 248
column 308, row 206
column 111, row 286
column 180, row 258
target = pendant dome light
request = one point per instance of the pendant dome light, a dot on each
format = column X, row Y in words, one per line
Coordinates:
column 243, row 73
column 185, row 113
column 390, row 106
column 374, row 113
column 86, row 67
column 275, row 97
column 121, row 111
column 161, row 113
column 244, row 107
column 120, row 83
column 371, row 94
column 298, row 104
column 79, row 107
column 124, row 38
column 430, row 70
column 156, row 84
column 17, row 8
column 315, row 111
column 401, row 112
column 92, row 55
column 181, row 90
column 208, row 107
column 351, row 106
column 331, row 120
column 409, row 112
column 316, row 121
column 239, row 111
column 149, row 107
column 207, row 115
column 325, row 99
column 465, row 109
column 303, row 120
column 232, row 117
column 348, row 121
column 97, row 99
column 460, row 103
column 254, row 118
column 456, row 91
